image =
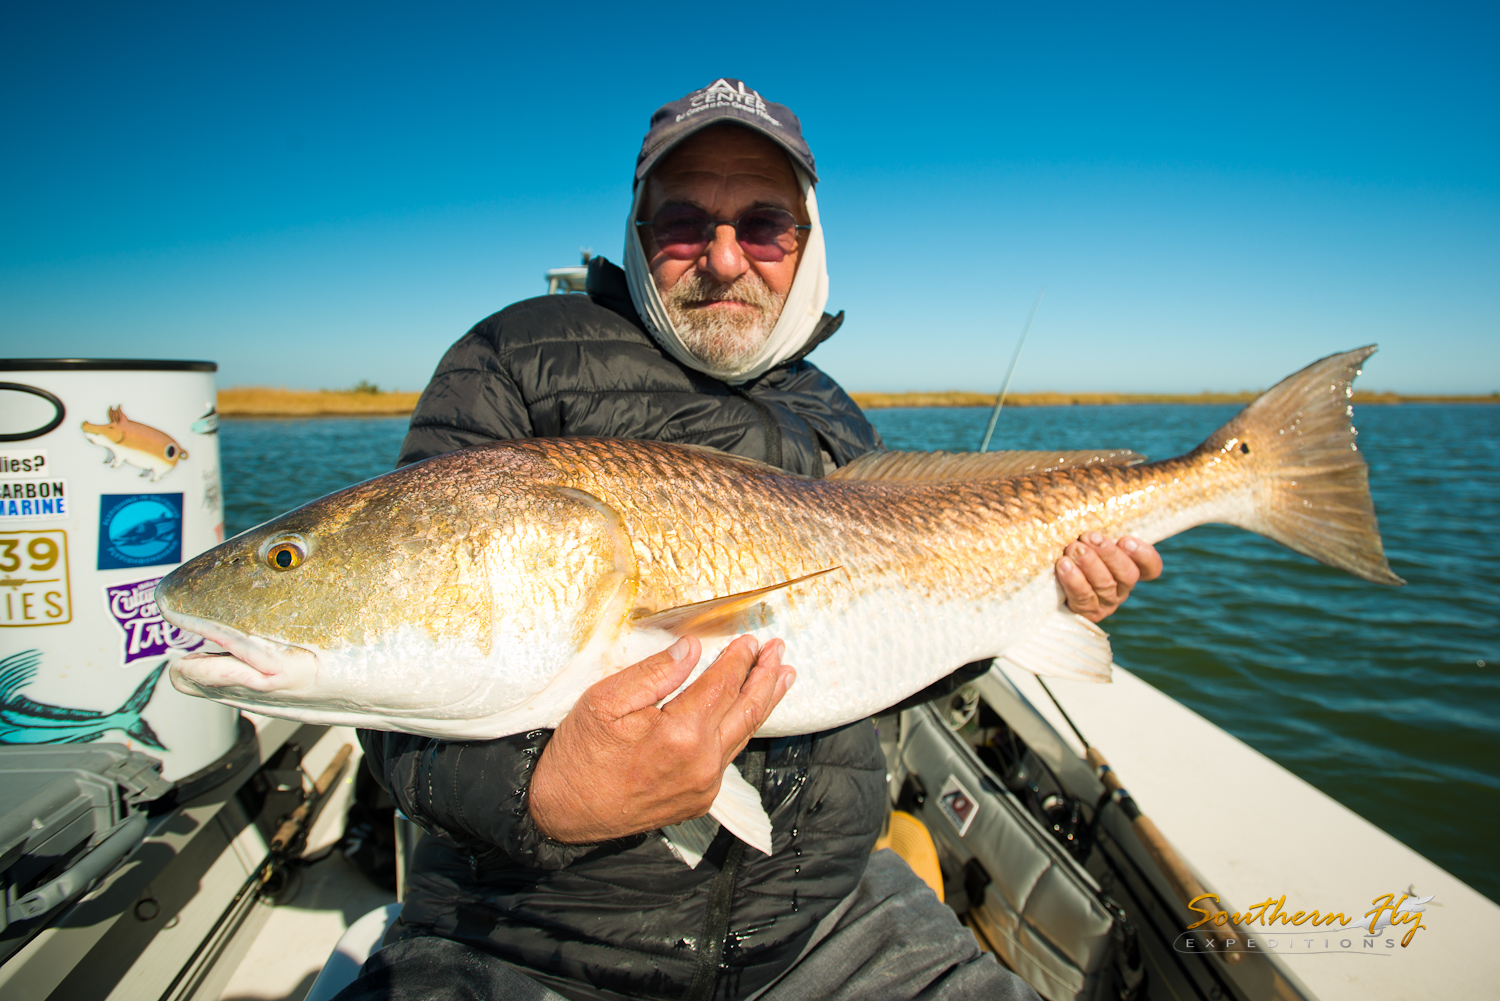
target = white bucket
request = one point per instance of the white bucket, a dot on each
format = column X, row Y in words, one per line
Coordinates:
column 109, row 479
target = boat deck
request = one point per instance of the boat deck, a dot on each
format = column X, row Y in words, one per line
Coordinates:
column 295, row 937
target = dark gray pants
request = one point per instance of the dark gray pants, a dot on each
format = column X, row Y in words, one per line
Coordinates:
column 889, row 940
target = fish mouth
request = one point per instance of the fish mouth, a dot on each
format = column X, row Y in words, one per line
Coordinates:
column 247, row 665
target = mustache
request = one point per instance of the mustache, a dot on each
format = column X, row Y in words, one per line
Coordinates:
column 696, row 288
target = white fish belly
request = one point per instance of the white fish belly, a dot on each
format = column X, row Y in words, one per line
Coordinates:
column 881, row 646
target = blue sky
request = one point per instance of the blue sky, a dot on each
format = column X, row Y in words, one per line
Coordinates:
column 314, row 194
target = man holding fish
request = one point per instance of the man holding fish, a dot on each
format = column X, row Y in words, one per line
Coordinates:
column 543, row 856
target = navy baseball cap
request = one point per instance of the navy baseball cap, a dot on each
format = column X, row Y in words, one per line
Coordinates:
column 724, row 100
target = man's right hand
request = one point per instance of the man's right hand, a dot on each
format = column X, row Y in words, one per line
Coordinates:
column 618, row 765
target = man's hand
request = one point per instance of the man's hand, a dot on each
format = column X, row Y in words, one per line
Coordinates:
column 1097, row 574
column 617, row 765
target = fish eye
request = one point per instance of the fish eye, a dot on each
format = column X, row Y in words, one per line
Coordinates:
column 286, row 555
column 171, row 451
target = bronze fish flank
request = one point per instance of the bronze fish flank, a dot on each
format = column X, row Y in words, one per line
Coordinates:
column 479, row 593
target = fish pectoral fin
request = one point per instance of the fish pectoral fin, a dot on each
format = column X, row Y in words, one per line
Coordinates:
column 691, row 838
column 738, row 808
column 1067, row 646
column 716, row 616
column 951, row 467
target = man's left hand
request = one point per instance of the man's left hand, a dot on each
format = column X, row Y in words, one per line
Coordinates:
column 1097, row 574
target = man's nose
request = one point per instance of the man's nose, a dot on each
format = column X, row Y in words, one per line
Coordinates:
column 724, row 258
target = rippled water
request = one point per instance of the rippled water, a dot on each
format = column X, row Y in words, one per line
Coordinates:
column 1388, row 699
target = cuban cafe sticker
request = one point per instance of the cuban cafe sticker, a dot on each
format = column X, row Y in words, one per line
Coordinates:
column 147, row 635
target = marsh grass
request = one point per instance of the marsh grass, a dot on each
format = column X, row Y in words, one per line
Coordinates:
column 265, row 401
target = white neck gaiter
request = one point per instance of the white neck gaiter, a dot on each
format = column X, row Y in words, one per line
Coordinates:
column 804, row 303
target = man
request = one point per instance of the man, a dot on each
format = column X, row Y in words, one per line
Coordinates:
column 544, row 870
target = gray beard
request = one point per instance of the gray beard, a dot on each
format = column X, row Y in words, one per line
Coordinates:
column 723, row 340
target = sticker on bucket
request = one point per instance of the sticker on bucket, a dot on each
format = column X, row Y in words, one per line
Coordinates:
column 139, row 530
column 958, row 805
column 28, row 411
column 26, row 464
column 34, row 578
column 33, row 500
column 27, row 490
column 133, row 607
column 153, row 452
column 26, row 721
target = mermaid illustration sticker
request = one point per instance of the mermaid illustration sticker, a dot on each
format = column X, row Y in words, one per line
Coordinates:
column 25, row 721
column 139, row 530
column 155, row 453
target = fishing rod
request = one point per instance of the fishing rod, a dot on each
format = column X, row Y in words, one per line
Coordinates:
column 1000, row 400
column 1179, row 876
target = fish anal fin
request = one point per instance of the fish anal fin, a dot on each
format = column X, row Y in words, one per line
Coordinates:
column 1067, row 646
column 716, row 616
column 691, row 838
column 953, row 467
column 738, row 808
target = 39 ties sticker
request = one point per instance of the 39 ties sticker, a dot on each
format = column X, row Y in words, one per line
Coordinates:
column 34, row 588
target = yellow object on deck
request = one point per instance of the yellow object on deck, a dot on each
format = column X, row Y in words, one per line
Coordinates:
column 907, row 836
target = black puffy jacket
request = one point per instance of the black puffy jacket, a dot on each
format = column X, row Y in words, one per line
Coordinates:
column 626, row 918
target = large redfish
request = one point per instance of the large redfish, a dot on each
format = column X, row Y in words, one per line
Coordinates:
column 478, row 593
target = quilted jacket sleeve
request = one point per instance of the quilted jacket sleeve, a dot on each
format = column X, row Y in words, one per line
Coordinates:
column 473, row 793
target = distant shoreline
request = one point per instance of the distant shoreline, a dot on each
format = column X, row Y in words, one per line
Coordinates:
column 956, row 398
column 263, row 401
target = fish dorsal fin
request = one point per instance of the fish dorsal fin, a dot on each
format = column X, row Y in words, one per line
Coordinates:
column 949, row 467
column 716, row 616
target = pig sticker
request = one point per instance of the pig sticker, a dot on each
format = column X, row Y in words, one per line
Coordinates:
column 151, row 451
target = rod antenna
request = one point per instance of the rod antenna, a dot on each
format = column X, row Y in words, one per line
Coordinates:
column 1000, row 400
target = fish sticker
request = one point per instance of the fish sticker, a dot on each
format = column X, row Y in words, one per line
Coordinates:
column 139, row 530
column 153, row 452
column 208, row 423
column 24, row 721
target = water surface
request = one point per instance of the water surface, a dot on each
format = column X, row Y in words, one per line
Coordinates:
column 1387, row 699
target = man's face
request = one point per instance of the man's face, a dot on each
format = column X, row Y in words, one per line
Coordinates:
column 723, row 303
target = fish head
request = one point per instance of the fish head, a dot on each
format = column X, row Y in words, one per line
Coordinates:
column 442, row 590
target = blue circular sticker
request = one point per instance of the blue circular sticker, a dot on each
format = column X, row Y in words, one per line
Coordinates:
column 139, row 530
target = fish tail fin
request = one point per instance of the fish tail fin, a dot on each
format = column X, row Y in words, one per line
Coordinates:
column 141, row 730
column 136, row 726
column 1312, row 485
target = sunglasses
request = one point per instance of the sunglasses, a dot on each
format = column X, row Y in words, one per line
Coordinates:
column 683, row 232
